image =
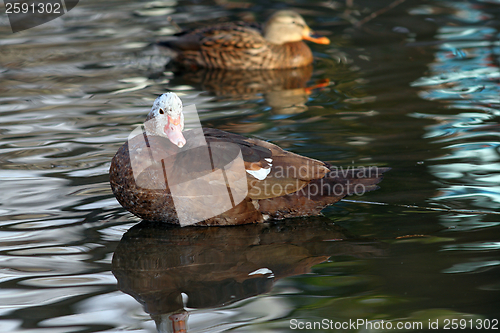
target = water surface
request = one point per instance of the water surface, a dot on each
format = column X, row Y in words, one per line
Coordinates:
column 415, row 89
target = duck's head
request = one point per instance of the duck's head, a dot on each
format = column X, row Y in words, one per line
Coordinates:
column 166, row 118
column 287, row 26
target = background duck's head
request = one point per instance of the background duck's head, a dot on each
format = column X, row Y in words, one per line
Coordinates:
column 166, row 118
column 287, row 26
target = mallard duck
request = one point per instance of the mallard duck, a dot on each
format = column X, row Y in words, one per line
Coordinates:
column 247, row 46
column 212, row 177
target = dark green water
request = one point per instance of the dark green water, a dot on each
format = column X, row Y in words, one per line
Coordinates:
column 416, row 88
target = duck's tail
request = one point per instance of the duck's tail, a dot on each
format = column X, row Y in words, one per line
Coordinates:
column 181, row 42
column 319, row 193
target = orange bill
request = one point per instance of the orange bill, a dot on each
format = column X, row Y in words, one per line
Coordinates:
column 315, row 38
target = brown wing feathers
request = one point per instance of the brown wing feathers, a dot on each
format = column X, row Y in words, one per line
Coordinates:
column 297, row 185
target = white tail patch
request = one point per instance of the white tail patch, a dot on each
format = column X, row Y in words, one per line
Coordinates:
column 261, row 271
column 260, row 174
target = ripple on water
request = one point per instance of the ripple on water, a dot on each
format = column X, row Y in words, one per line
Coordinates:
column 73, row 90
column 463, row 82
column 471, row 266
column 464, row 77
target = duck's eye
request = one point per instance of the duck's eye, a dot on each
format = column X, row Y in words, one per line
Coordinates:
column 161, row 111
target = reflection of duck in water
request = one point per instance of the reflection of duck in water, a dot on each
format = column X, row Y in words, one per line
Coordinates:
column 157, row 263
column 285, row 91
column 263, row 180
column 247, row 46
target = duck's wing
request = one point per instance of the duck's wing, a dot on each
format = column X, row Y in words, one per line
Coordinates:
column 271, row 171
column 193, row 39
column 225, row 46
column 282, row 184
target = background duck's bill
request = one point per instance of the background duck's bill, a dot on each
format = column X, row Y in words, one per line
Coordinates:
column 316, row 38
